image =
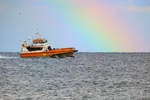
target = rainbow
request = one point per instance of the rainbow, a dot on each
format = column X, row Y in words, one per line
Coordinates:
column 96, row 25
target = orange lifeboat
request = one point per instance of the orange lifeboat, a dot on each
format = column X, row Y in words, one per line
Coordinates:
column 41, row 48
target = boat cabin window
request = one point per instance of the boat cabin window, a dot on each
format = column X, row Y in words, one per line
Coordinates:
column 49, row 48
column 40, row 42
column 34, row 48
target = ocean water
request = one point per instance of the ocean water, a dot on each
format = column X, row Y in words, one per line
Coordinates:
column 87, row 76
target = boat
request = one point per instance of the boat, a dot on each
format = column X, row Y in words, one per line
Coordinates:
column 41, row 48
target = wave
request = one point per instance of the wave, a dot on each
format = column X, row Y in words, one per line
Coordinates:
column 6, row 57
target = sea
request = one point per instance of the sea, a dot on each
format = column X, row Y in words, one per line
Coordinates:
column 86, row 76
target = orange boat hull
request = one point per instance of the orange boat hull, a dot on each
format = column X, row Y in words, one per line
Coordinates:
column 50, row 53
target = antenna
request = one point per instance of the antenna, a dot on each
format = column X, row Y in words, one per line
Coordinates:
column 29, row 38
column 32, row 37
column 38, row 35
column 38, row 30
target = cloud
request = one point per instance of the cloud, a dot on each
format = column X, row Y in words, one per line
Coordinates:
column 139, row 9
column 136, row 8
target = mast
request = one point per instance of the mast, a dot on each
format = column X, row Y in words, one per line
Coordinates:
column 37, row 34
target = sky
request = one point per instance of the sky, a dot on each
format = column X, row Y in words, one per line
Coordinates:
column 88, row 25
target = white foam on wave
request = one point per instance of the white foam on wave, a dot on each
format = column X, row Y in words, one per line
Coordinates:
column 6, row 57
